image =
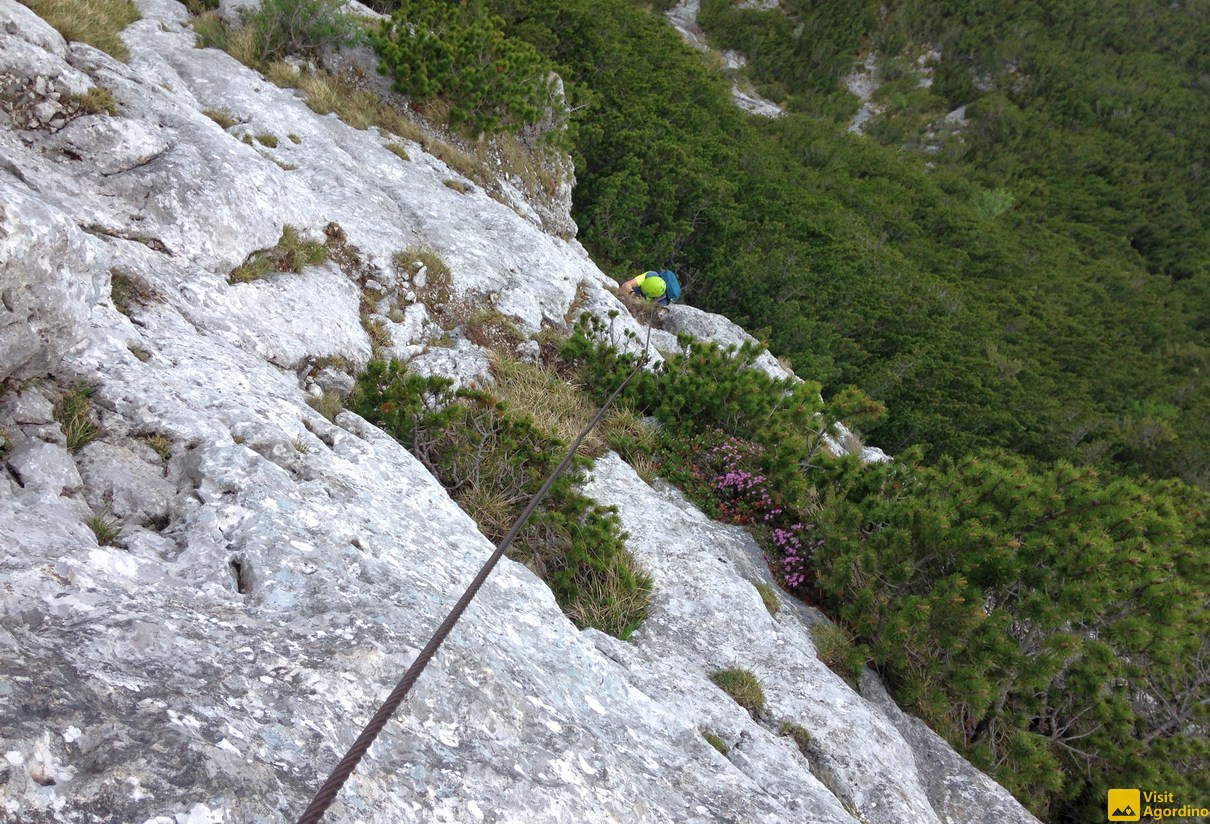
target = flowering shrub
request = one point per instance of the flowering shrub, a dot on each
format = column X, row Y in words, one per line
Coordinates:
column 794, row 549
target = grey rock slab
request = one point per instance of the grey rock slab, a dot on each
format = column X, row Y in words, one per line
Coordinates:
column 44, row 295
column 959, row 792
column 42, row 467
column 126, row 484
column 718, row 329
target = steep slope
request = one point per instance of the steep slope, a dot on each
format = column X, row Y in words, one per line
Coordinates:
column 271, row 573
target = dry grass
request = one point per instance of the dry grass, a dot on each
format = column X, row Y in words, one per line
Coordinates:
column 491, row 509
column 95, row 22
column 161, row 446
column 329, row 404
column 557, row 408
column 223, row 118
column 97, row 100
column 607, row 603
column 267, row 139
column 398, row 150
column 127, row 291
column 799, row 734
column 456, row 185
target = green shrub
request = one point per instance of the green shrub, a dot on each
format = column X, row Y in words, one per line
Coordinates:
column 460, row 53
column 492, row 460
column 74, row 414
column 743, row 687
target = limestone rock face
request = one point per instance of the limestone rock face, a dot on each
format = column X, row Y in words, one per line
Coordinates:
column 273, row 572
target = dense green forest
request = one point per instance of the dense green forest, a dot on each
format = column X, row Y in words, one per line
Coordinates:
column 1039, row 283
column 1026, row 294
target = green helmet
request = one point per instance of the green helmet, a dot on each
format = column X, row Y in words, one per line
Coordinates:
column 653, row 286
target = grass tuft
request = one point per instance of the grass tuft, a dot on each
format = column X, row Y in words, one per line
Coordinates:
column 456, row 185
column 555, row 406
column 834, row 646
column 715, row 741
column 161, row 445
column 95, row 22
column 801, row 737
column 223, row 118
column 291, row 254
column 74, row 414
column 398, row 150
column 269, row 140
column 104, row 528
column 329, row 404
column 743, row 688
column 97, row 100
column 769, row 595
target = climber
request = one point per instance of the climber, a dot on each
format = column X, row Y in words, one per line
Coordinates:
column 662, row 287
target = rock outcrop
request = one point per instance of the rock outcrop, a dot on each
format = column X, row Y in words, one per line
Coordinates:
column 201, row 606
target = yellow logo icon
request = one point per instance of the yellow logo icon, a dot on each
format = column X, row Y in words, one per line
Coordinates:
column 1124, row 805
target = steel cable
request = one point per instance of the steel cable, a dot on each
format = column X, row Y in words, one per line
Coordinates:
column 330, row 789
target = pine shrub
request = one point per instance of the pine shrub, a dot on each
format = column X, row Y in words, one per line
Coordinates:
column 459, row 53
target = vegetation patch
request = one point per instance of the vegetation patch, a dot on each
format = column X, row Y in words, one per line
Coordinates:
column 329, row 404
column 743, row 687
column 768, row 595
column 269, row 140
column 95, row 22
column 97, row 100
column 127, row 291
column 492, row 459
column 291, row 254
column 834, row 646
column 222, row 117
column 462, row 56
column 555, row 406
column 798, row 734
column 398, row 150
column 105, row 529
column 715, row 741
column 74, row 414
column 160, row 445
